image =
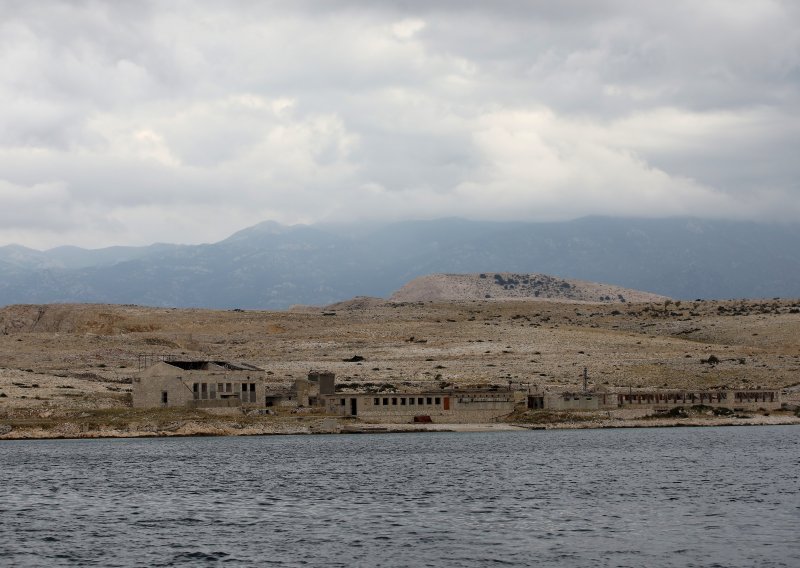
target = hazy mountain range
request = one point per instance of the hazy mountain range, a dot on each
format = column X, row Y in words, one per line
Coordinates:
column 273, row 266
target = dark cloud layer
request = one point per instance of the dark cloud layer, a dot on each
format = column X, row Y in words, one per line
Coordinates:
column 133, row 122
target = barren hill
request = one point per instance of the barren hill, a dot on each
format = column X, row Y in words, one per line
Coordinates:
column 511, row 286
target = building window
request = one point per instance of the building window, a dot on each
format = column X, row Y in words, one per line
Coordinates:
column 195, row 391
column 376, row 401
column 438, row 400
column 429, row 400
column 220, row 387
column 411, row 401
column 341, row 402
column 228, row 387
column 164, row 397
column 385, row 402
column 420, row 401
column 204, row 391
column 394, row 402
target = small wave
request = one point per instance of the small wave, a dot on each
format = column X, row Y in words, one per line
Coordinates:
column 197, row 556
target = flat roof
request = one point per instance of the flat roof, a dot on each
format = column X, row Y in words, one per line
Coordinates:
column 203, row 365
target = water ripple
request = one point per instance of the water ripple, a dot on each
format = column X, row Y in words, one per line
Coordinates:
column 660, row 498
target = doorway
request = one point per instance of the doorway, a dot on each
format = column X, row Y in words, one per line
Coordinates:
column 353, row 407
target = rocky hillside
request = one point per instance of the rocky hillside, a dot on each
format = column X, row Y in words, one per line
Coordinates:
column 512, row 286
column 97, row 319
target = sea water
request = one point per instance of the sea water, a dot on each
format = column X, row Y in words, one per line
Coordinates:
column 635, row 497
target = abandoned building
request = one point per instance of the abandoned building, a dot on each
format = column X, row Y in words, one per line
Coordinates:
column 214, row 384
column 303, row 392
column 199, row 384
column 739, row 399
column 448, row 406
column 580, row 400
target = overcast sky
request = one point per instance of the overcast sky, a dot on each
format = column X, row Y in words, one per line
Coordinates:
column 137, row 122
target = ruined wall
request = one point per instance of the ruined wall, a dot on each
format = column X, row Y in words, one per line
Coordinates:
column 578, row 401
column 657, row 399
column 661, row 399
column 196, row 388
column 148, row 392
column 732, row 399
column 325, row 381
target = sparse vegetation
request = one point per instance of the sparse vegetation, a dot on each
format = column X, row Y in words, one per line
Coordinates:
column 55, row 368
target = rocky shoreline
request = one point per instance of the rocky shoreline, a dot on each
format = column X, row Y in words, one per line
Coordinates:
column 74, row 430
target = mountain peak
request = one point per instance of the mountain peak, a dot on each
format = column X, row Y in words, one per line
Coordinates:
column 263, row 228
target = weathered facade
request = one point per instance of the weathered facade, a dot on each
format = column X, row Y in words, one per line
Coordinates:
column 303, row 392
column 571, row 400
column 452, row 406
column 199, row 384
column 738, row 399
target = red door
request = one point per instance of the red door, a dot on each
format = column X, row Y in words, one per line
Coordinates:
column 447, row 403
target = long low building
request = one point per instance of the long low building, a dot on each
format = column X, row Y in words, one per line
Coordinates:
column 734, row 399
column 451, row 406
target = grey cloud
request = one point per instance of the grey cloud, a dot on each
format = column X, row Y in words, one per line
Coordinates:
column 309, row 110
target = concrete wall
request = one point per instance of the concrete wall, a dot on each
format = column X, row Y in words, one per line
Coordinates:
column 304, row 390
column 325, row 381
column 733, row 399
column 578, row 401
column 148, row 392
column 442, row 407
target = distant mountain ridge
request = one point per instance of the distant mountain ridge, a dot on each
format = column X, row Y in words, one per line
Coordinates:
column 271, row 266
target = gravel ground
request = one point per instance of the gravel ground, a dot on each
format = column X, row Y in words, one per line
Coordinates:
column 57, row 361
